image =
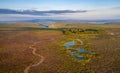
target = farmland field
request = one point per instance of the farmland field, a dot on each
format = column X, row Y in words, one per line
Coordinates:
column 39, row 49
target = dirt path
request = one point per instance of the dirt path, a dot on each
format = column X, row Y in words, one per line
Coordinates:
column 37, row 64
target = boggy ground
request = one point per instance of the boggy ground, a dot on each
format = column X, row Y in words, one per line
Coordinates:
column 15, row 51
column 15, row 54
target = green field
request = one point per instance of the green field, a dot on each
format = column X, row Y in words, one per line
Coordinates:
column 18, row 41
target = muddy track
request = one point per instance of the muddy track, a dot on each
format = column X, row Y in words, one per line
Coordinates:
column 36, row 54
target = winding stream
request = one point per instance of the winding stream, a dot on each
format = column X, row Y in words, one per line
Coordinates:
column 78, row 51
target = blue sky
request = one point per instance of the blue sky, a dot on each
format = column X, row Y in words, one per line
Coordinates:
column 96, row 9
column 59, row 4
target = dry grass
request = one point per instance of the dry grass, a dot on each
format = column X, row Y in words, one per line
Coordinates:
column 82, row 25
column 15, row 54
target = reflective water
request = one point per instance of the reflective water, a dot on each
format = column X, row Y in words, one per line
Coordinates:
column 90, row 52
column 78, row 52
column 70, row 44
column 74, row 55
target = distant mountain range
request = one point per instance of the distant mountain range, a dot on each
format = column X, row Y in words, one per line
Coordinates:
column 36, row 12
column 57, row 20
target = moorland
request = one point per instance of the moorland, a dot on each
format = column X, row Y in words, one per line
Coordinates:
column 33, row 48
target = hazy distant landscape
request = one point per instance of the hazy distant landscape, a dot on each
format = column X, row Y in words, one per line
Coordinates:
column 64, row 36
column 43, row 13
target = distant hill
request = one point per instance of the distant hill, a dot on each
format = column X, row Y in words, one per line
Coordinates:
column 48, row 12
column 64, row 20
column 21, row 24
column 83, row 25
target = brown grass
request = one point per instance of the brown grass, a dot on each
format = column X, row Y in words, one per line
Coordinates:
column 15, row 54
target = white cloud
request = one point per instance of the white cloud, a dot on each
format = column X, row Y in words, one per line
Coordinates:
column 95, row 14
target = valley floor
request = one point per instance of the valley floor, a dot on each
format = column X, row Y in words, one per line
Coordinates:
column 43, row 51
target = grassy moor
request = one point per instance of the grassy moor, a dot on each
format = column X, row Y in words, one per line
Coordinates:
column 59, row 36
column 63, row 48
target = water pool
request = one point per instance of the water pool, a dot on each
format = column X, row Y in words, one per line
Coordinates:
column 67, row 45
column 79, row 50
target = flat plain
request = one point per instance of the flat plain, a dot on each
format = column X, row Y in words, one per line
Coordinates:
column 17, row 42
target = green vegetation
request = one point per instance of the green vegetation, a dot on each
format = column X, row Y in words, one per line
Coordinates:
column 82, row 25
column 83, row 31
column 20, row 26
column 15, row 54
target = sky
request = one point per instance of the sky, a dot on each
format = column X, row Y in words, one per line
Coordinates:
column 96, row 9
